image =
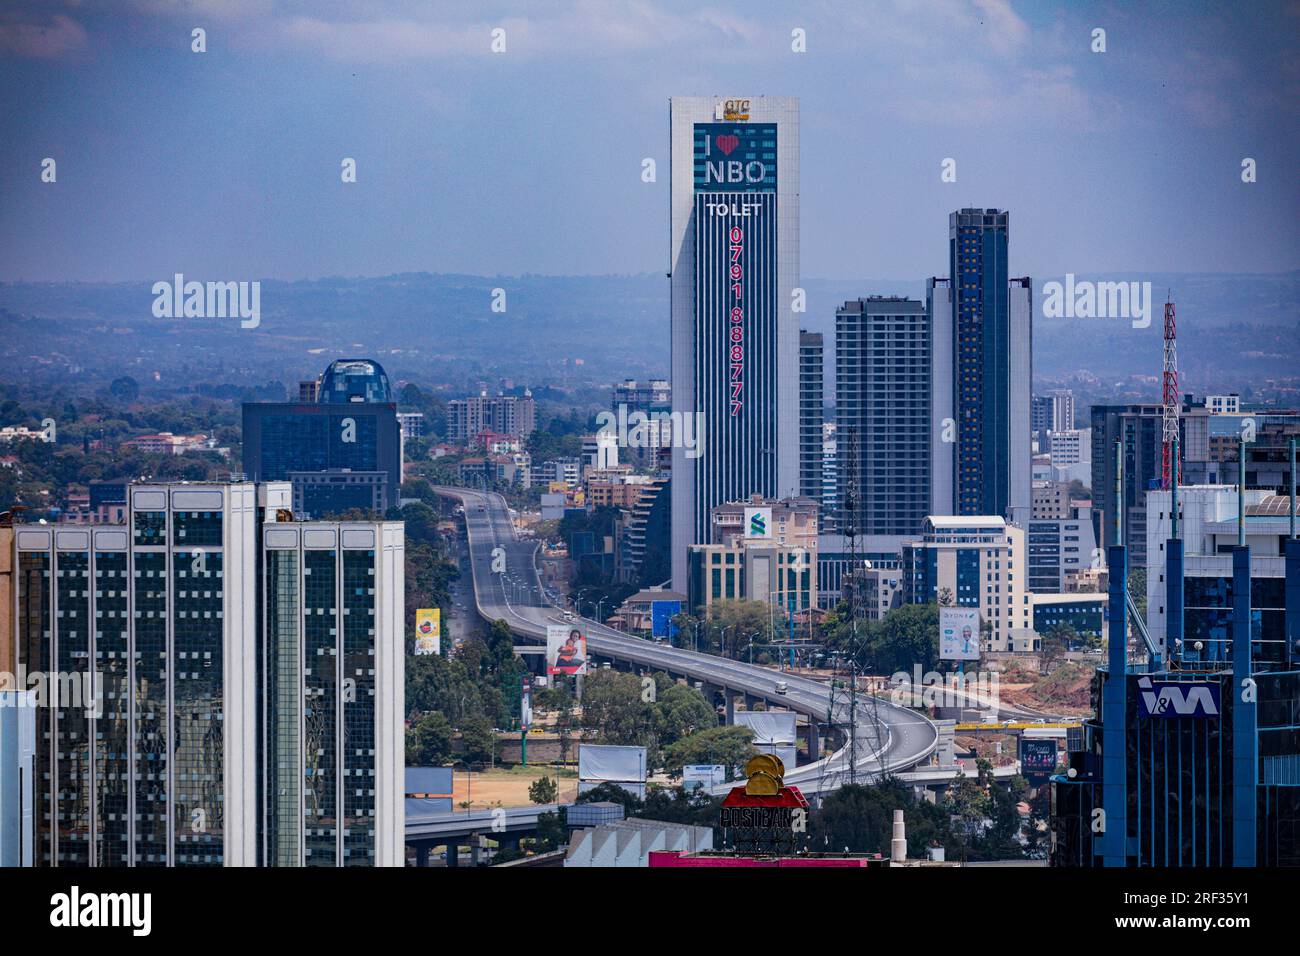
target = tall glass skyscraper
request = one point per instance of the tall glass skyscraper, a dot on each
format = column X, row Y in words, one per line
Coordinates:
column 812, row 415
column 163, row 742
column 883, row 409
column 735, row 336
column 991, row 367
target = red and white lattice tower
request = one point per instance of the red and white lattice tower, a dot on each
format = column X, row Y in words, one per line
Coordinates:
column 1169, row 468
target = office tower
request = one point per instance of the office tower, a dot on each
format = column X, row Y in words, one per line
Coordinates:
column 350, row 430
column 1139, row 429
column 830, row 480
column 1207, row 527
column 411, row 423
column 980, row 562
column 1053, row 412
column 760, row 550
column 154, row 750
column 992, row 366
column 511, row 415
column 943, row 412
column 650, row 397
column 1059, row 538
column 644, row 533
column 883, row 400
column 734, row 267
column 811, row 414
column 1185, row 766
column 333, row 696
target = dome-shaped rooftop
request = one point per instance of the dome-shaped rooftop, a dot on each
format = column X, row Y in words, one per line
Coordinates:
column 354, row 380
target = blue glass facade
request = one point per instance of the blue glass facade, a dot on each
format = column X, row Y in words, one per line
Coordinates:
column 281, row 439
column 1179, row 783
column 354, row 380
column 981, row 366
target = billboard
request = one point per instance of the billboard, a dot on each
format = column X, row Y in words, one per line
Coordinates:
column 706, row 775
column 959, row 634
column 1037, row 758
column 428, row 631
column 1173, row 699
column 566, row 649
column 526, row 701
column 769, row 726
column 604, row 763
column 661, row 618
column 735, row 157
column 758, row 522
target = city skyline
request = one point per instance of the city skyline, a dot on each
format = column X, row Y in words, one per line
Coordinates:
column 417, row 453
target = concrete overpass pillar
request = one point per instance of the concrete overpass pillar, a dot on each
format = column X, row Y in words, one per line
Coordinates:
column 422, row 854
column 475, row 850
column 731, row 706
column 453, row 854
column 814, row 741
column 750, row 701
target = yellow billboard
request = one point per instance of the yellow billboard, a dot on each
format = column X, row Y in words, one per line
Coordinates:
column 428, row 631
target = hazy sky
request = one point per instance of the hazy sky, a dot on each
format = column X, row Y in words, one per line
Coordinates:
column 226, row 164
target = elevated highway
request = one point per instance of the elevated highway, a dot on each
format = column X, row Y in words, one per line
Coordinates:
column 890, row 738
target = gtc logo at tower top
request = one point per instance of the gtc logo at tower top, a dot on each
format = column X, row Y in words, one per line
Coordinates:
column 1175, row 699
column 732, row 110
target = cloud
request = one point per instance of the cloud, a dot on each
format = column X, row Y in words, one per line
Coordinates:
column 49, row 38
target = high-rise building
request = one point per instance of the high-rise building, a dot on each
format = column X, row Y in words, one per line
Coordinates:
column 883, row 409
column 1207, row 527
column 1191, row 756
column 173, row 739
column 1053, row 412
column 943, row 412
column 760, row 550
column 979, row 561
column 1139, row 429
column 655, row 395
column 992, row 366
column 734, row 260
column 351, row 429
column 812, row 400
column 830, row 479
column 1060, row 542
column 503, row 414
column 332, row 697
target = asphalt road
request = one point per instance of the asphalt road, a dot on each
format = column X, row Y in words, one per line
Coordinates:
column 890, row 738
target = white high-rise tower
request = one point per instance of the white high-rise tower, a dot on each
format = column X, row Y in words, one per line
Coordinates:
column 735, row 331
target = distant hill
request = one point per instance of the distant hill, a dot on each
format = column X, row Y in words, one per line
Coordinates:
column 579, row 329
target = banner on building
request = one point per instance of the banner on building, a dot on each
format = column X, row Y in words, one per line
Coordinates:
column 428, row 631
column 959, row 634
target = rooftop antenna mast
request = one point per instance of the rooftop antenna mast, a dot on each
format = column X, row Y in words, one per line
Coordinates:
column 1170, row 469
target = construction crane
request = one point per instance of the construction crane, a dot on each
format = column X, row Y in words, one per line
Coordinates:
column 1170, row 467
